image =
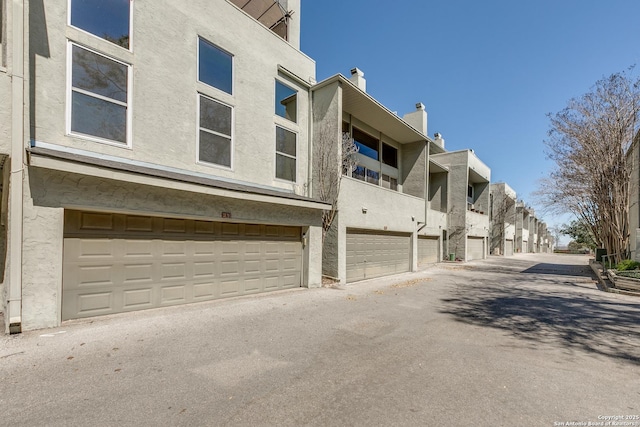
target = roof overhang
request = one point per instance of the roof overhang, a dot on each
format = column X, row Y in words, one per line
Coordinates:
column 435, row 167
column 363, row 106
column 49, row 156
column 476, row 178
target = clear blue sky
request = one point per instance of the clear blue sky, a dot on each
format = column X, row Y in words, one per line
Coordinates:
column 488, row 71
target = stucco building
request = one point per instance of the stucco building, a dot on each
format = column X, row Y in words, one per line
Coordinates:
column 633, row 163
column 153, row 153
column 503, row 219
column 392, row 205
column 468, row 204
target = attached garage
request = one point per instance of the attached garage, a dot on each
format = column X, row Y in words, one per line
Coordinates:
column 427, row 250
column 508, row 247
column 115, row 263
column 374, row 254
column 475, row 248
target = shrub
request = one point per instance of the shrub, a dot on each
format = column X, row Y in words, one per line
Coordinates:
column 627, row 264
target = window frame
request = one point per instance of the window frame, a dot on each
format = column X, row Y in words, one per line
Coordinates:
column 129, row 49
column 378, row 150
column 69, row 99
column 277, row 153
column 231, row 55
column 199, row 128
column 382, row 155
column 296, row 91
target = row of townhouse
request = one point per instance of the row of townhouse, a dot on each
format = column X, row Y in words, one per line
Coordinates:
column 633, row 163
column 156, row 154
column 514, row 225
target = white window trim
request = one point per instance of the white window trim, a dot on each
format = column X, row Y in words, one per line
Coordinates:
column 70, row 90
column 276, row 153
column 297, row 91
column 130, row 49
column 199, row 128
column 233, row 67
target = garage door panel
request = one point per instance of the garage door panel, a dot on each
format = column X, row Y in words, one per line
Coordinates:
column 252, row 285
column 173, row 294
column 428, row 248
column 93, row 275
column 96, row 221
column 137, row 248
column 97, row 302
column 230, row 287
column 133, row 271
column 136, row 299
column 508, row 247
column 139, row 223
column 204, row 269
column 136, row 273
column 230, row 229
column 252, row 266
column 203, row 291
column 374, row 254
column 475, row 248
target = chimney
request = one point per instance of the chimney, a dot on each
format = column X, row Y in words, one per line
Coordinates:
column 357, row 77
column 438, row 139
column 418, row 118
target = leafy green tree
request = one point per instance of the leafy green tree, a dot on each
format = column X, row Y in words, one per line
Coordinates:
column 580, row 233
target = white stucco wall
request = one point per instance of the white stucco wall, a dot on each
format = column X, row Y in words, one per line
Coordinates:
column 461, row 221
column 164, row 105
column 164, row 88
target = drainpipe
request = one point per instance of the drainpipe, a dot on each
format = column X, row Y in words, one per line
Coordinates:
column 426, row 195
column 14, row 303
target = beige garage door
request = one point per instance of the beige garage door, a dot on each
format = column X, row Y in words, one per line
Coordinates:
column 475, row 248
column 508, row 247
column 374, row 254
column 114, row 263
column 525, row 246
column 427, row 250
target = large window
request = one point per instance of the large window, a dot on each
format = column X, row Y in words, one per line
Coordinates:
column 107, row 19
column 99, row 95
column 367, row 145
column 215, row 66
column 214, row 142
column 389, row 155
column 389, row 182
column 285, row 154
column 365, row 174
column 286, row 102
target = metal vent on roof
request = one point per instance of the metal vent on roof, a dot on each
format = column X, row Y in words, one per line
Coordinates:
column 272, row 14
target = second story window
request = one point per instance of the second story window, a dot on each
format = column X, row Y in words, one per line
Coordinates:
column 389, row 155
column 286, row 102
column 214, row 140
column 285, row 154
column 99, row 96
column 215, row 66
column 367, row 145
column 107, row 19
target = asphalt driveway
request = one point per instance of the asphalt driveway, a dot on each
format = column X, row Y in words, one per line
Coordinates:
column 520, row 341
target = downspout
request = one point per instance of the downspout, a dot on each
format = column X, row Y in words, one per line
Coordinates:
column 426, row 195
column 14, row 303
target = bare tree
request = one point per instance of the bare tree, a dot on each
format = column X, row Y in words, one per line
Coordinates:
column 588, row 141
column 332, row 159
column 502, row 215
column 457, row 231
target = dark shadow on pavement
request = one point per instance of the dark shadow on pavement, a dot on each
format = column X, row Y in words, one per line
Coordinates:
column 562, row 317
column 560, row 269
